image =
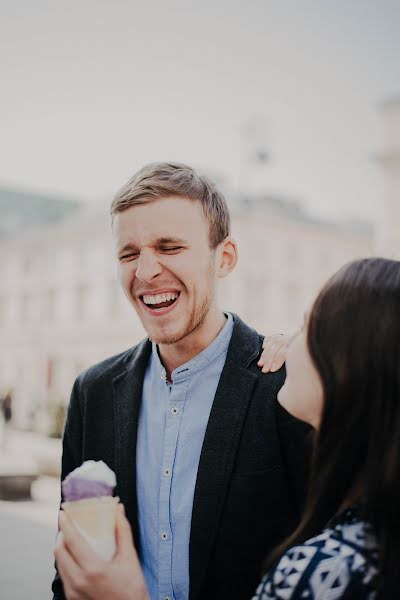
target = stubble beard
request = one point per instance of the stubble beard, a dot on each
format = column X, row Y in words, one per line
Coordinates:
column 196, row 318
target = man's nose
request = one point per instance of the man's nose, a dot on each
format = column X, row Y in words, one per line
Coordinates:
column 148, row 266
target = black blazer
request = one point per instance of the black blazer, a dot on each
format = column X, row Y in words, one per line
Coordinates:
column 252, row 474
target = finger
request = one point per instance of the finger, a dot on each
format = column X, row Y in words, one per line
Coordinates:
column 278, row 353
column 265, row 353
column 263, row 358
column 277, row 356
column 266, row 368
column 270, row 353
column 123, row 533
column 279, row 359
column 67, row 567
column 269, row 344
column 268, row 340
column 77, row 546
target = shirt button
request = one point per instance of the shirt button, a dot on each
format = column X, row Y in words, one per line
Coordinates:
column 174, row 410
column 164, row 536
column 163, row 376
column 167, row 472
column 166, row 598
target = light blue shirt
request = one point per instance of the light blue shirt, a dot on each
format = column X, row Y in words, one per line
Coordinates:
column 172, row 425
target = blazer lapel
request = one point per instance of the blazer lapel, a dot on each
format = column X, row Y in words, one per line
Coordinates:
column 219, row 449
column 127, row 390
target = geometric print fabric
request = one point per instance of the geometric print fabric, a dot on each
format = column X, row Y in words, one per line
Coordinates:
column 341, row 562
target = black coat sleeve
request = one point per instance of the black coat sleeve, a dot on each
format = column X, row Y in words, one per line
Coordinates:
column 72, row 453
column 296, row 439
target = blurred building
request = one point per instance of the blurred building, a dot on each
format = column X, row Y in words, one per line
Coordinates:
column 61, row 308
column 26, row 211
column 284, row 258
column 389, row 235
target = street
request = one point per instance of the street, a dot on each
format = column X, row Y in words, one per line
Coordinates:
column 28, row 530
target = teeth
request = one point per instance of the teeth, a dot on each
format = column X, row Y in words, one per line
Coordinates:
column 158, row 298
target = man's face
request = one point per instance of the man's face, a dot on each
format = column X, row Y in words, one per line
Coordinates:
column 166, row 267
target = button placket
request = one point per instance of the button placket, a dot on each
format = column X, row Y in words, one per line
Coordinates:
column 176, row 396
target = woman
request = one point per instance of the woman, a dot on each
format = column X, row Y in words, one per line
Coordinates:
column 343, row 377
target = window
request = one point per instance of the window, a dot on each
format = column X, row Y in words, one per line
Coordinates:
column 24, row 307
column 49, row 305
column 113, row 299
column 82, row 301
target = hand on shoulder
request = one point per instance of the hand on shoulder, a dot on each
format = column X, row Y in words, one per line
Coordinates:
column 274, row 352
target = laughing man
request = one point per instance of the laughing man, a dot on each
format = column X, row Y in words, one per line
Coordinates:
column 210, row 469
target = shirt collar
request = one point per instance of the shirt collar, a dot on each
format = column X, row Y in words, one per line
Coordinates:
column 202, row 360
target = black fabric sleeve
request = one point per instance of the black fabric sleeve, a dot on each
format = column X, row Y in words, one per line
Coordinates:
column 296, row 438
column 72, row 454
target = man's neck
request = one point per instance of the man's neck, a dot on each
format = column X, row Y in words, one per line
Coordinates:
column 175, row 355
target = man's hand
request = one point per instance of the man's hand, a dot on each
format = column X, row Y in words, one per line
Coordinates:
column 86, row 576
column 274, row 352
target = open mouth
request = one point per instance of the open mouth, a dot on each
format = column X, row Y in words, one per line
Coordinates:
column 160, row 302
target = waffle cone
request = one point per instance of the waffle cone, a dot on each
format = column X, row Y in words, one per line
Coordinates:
column 95, row 517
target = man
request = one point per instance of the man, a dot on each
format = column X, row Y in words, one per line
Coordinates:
column 211, row 471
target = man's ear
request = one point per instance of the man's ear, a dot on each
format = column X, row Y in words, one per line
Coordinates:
column 227, row 256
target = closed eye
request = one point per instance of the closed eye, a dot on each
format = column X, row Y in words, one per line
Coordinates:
column 171, row 249
column 130, row 256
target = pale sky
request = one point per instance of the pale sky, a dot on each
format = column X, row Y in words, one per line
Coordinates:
column 93, row 89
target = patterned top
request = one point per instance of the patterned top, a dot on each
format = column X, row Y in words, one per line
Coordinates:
column 341, row 562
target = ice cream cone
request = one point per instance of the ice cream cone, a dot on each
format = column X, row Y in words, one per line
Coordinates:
column 95, row 519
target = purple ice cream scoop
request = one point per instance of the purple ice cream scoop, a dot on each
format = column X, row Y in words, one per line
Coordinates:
column 77, row 488
column 91, row 480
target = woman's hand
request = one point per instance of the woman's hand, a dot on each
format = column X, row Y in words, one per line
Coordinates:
column 274, row 352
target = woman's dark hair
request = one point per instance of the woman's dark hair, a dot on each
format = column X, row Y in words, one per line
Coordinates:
column 354, row 341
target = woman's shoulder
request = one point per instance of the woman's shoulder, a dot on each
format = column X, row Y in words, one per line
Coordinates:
column 341, row 559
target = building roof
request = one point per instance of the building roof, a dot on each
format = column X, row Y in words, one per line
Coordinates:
column 392, row 102
column 291, row 210
column 24, row 210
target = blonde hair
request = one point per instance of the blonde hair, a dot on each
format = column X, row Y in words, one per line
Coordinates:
column 163, row 180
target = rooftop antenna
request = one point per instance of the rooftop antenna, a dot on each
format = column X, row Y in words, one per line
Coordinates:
column 254, row 156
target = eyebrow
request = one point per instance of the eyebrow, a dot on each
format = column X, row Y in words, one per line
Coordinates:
column 171, row 240
column 128, row 247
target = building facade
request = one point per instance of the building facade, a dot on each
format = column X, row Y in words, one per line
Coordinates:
column 61, row 308
column 388, row 242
